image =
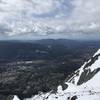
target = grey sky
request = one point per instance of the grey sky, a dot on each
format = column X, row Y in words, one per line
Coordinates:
column 49, row 18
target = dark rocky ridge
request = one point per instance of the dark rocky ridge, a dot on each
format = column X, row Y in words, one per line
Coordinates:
column 87, row 75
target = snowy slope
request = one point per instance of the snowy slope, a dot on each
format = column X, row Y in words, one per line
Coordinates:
column 88, row 72
column 83, row 84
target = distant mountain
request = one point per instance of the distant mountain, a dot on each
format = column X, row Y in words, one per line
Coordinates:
column 43, row 49
column 83, row 84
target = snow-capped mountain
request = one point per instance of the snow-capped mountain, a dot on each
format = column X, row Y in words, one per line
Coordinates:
column 83, row 84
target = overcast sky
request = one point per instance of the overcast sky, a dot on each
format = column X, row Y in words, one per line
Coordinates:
column 27, row 19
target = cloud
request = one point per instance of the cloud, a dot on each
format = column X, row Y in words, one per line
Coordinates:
column 31, row 18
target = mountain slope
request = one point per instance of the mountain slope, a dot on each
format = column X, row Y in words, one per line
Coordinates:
column 88, row 71
column 83, row 84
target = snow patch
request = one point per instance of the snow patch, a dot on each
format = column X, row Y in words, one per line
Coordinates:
column 16, row 98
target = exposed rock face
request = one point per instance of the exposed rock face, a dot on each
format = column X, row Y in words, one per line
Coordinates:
column 87, row 75
column 74, row 98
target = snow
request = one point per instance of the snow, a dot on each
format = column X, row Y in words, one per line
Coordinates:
column 89, row 97
column 16, row 98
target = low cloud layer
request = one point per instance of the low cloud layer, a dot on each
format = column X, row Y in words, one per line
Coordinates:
column 30, row 18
